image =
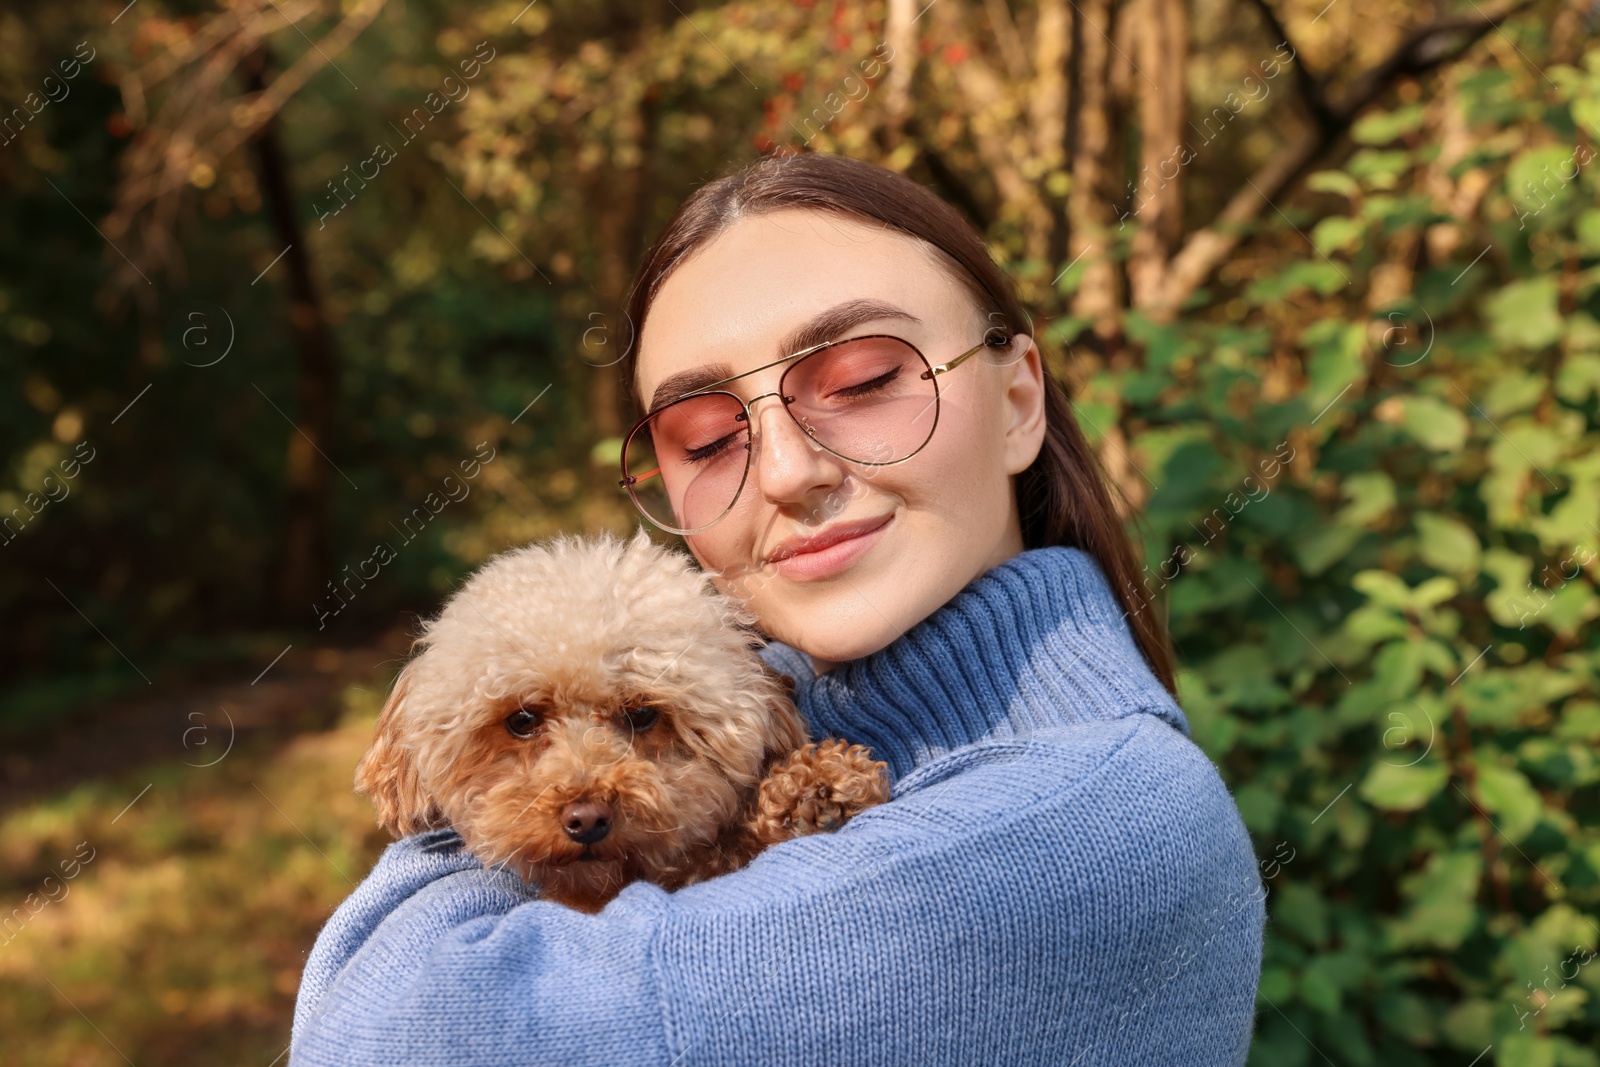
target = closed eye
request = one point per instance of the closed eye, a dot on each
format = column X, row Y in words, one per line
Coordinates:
column 851, row 392
column 710, row 451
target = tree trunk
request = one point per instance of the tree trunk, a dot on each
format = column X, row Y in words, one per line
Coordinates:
column 900, row 33
column 1157, row 208
column 1088, row 210
column 1047, row 114
column 306, row 552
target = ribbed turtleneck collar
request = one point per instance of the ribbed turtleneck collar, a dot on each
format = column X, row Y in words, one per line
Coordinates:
column 1038, row 641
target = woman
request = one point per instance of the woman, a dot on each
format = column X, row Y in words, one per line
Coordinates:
column 851, row 425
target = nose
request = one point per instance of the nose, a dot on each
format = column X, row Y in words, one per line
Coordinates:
column 586, row 821
column 789, row 466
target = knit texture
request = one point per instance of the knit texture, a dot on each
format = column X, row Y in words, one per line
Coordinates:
column 1060, row 877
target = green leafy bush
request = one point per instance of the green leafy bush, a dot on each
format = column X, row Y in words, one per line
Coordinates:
column 1375, row 523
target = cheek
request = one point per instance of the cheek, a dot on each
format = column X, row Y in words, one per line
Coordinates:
column 963, row 466
column 728, row 547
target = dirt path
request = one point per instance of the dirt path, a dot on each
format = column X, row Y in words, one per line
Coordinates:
column 193, row 720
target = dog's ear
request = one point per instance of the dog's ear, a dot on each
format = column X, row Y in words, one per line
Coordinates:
column 388, row 772
column 785, row 682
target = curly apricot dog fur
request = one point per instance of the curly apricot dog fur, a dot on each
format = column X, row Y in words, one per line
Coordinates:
column 591, row 713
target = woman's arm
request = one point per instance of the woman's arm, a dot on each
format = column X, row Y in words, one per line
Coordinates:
column 1087, row 896
column 467, row 968
column 416, row 863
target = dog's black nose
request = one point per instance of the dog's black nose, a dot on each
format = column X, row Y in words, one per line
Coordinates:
column 586, row 821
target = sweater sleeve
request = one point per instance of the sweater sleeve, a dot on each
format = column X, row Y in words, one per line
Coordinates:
column 1082, row 897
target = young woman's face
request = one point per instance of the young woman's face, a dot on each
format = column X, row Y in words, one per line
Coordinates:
column 835, row 558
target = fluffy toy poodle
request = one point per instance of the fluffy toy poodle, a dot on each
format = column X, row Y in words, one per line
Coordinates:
column 591, row 712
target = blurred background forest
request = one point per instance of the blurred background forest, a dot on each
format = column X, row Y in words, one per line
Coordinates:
column 1323, row 279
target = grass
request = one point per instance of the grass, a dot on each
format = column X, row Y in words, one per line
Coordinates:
column 182, row 937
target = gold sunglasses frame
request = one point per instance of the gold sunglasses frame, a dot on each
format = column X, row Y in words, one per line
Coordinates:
column 930, row 373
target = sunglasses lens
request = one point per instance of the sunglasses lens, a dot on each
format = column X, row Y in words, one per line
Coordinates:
column 687, row 462
column 871, row 400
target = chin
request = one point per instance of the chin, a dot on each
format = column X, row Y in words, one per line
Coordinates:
column 835, row 632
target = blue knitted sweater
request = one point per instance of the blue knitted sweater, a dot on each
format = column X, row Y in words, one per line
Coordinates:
column 1059, row 877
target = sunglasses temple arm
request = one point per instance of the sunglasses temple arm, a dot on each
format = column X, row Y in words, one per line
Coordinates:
column 944, row 368
column 635, row 479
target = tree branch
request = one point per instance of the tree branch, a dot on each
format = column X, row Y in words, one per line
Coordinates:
column 198, row 121
column 1422, row 50
column 1309, row 84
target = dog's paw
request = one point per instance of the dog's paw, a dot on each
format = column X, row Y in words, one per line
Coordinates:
column 818, row 789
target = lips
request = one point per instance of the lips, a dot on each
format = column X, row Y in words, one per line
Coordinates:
column 828, row 552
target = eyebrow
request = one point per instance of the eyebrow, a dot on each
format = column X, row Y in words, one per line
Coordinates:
column 679, row 385
column 824, row 327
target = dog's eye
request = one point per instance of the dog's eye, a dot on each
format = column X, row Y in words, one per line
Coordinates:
column 642, row 718
column 522, row 722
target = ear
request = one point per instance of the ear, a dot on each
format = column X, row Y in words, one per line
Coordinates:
column 388, row 772
column 1024, row 404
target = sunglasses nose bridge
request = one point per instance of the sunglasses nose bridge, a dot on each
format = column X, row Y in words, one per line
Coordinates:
column 750, row 405
column 800, row 420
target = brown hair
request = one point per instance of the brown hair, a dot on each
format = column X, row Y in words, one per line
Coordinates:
column 1062, row 497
